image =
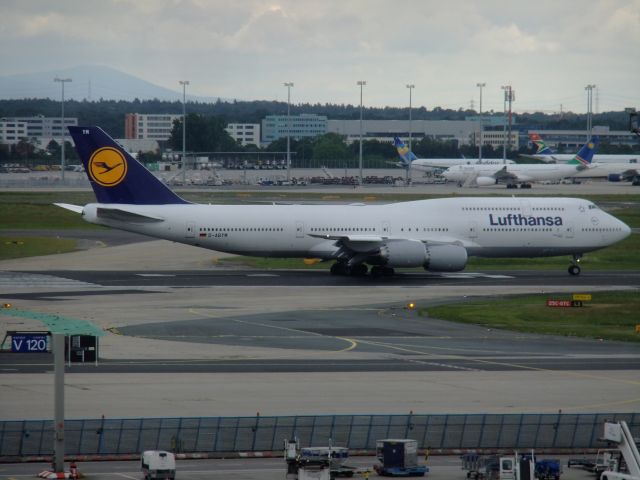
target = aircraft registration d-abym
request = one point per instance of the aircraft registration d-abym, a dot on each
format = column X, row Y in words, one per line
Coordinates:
column 438, row 235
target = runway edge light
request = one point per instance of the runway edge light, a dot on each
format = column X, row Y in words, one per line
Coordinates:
column 6, row 305
column 411, row 306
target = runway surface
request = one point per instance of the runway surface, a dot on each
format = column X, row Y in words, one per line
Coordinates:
column 310, row 278
column 185, row 336
column 393, row 338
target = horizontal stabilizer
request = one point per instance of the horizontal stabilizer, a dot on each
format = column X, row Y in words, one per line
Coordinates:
column 69, row 206
column 121, row 215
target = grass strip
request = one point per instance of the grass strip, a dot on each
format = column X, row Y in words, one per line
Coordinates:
column 19, row 247
column 609, row 315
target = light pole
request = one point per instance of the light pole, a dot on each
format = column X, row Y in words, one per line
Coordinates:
column 362, row 83
column 480, row 86
column 508, row 97
column 184, row 84
column 62, row 162
column 589, row 89
column 410, row 86
column 288, row 85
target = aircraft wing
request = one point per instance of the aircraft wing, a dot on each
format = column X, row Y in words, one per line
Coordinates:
column 355, row 243
column 123, row 215
column 538, row 158
column 396, row 164
column 630, row 174
column 371, row 243
column 503, row 175
column 68, row 206
column 119, row 214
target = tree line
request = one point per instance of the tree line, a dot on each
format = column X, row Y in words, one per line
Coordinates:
column 109, row 114
column 206, row 124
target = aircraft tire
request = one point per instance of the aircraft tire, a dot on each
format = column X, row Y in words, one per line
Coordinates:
column 574, row 270
column 358, row 270
column 376, row 271
column 339, row 268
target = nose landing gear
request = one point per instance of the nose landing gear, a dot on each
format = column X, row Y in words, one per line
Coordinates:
column 574, row 268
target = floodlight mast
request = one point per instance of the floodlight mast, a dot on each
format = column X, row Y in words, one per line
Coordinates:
column 480, row 86
column 589, row 88
column 62, row 159
column 410, row 86
column 361, row 83
column 184, row 84
column 288, row 85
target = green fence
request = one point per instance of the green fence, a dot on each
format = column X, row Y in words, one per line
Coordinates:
column 358, row 432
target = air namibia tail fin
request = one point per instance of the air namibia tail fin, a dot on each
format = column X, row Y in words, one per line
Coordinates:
column 585, row 155
column 541, row 147
column 406, row 155
column 117, row 177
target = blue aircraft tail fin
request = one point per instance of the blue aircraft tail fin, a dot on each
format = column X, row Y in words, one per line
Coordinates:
column 585, row 155
column 115, row 176
column 406, row 155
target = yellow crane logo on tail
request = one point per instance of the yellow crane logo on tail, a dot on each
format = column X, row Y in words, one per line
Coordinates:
column 107, row 167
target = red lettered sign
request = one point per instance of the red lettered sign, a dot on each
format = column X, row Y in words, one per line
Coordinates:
column 560, row 303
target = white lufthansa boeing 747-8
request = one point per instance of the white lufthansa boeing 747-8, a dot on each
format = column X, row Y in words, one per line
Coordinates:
column 438, row 235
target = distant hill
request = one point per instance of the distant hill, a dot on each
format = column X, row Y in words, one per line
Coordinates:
column 89, row 82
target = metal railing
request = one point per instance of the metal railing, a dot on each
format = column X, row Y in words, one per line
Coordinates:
column 358, row 432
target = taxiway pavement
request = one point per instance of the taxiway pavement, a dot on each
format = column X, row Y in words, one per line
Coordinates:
column 185, row 337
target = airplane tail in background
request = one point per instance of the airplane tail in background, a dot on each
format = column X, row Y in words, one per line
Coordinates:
column 585, row 155
column 115, row 176
column 541, row 147
column 406, row 155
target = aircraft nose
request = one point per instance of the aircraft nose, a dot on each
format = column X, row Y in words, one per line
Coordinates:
column 626, row 230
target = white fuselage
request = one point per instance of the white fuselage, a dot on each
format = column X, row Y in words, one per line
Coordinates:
column 520, row 172
column 429, row 164
column 603, row 170
column 491, row 227
column 633, row 159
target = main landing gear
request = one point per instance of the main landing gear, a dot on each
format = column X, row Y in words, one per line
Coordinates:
column 574, row 268
column 360, row 269
column 342, row 268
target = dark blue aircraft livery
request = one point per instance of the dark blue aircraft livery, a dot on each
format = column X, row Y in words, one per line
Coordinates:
column 523, row 220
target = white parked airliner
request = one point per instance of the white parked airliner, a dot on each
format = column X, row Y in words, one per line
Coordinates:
column 438, row 235
column 408, row 159
column 522, row 174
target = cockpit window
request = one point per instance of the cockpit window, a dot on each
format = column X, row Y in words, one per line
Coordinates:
column 592, row 207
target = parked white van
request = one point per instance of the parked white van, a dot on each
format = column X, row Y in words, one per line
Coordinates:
column 158, row 464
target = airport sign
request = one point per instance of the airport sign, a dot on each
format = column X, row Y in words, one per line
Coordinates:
column 29, row 343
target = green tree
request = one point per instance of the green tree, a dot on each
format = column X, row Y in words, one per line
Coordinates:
column 53, row 149
column 5, row 152
column 24, row 150
column 204, row 134
column 330, row 146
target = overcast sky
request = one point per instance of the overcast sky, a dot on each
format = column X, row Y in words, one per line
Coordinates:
column 548, row 50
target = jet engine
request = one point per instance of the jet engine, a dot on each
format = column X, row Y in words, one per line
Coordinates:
column 404, row 253
column 414, row 253
column 485, row 181
column 446, row 258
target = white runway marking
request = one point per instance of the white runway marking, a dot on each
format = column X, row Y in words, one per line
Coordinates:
column 473, row 275
column 155, row 274
column 35, row 280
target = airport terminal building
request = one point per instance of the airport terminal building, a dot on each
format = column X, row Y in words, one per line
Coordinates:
column 149, row 126
column 244, row 133
column 42, row 129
